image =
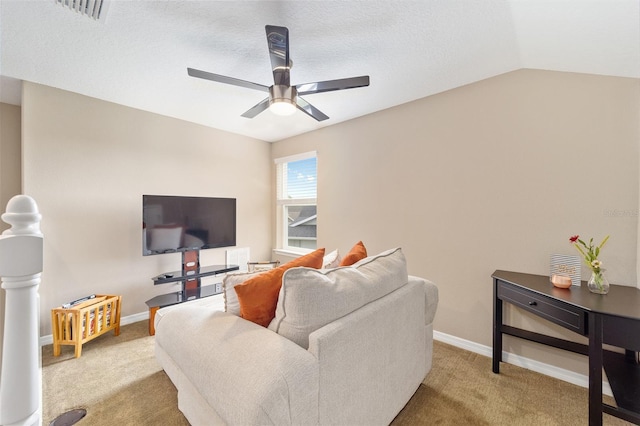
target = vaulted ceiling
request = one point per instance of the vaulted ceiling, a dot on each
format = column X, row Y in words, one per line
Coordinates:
column 138, row 52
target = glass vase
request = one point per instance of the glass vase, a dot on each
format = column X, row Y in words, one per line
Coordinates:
column 598, row 282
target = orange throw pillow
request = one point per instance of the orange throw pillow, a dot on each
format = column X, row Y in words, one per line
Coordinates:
column 258, row 296
column 357, row 252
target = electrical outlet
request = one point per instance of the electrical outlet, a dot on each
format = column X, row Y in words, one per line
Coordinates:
column 218, row 288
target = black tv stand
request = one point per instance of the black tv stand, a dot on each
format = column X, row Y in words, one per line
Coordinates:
column 175, row 276
column 190, row 276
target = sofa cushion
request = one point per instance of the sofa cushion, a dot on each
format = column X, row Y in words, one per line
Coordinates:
column 357, row 253
column 259, row 294
column 310, row 299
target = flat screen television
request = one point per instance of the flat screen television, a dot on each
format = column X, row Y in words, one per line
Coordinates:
column 176, row 224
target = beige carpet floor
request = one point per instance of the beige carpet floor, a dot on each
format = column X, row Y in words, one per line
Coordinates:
column 118, row 382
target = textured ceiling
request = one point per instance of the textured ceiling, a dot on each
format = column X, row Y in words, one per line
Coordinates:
column 138, row 53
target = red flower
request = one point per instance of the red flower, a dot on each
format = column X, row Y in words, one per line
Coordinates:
column 574, row 238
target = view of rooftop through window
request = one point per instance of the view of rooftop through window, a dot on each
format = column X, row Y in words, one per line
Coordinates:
column 297, row 196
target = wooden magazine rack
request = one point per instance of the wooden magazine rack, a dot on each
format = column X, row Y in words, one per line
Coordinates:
column 85, row 321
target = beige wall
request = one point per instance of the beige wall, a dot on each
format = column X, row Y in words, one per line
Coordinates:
column 494, row 175
column 10, row 160
column 87, row 164
column 10, row 169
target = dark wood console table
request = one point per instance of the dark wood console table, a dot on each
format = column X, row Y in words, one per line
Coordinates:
column 612, row 319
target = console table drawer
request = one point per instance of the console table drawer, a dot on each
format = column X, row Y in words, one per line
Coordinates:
column 556, row 311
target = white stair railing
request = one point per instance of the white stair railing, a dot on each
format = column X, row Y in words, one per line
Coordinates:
column 20, row 268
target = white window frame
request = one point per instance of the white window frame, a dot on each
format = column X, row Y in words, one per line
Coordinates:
column 282, row 226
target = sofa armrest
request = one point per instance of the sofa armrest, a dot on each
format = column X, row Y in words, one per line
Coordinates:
column 373, row 359
column 431, row 298
column 246, row 373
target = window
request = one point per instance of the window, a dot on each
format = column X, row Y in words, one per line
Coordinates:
column 296, row 182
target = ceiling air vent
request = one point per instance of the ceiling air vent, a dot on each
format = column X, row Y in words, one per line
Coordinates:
column 90, row 8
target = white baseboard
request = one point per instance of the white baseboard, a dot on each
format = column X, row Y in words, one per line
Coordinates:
column 520, row 361
column 130, row 319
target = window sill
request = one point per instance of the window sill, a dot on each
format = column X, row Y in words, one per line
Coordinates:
column 291, row 253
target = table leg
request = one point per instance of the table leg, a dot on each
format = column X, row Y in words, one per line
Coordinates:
column 152, row 316
column 595, row 369
column 497, row 328
column 631, row 356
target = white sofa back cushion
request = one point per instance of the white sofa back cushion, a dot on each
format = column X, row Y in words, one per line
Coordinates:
column 311, row 298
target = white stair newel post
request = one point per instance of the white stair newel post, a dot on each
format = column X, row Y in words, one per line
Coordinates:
column 20, row 268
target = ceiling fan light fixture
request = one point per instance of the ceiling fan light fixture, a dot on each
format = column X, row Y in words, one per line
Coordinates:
column 282, row 100
column 282, row 107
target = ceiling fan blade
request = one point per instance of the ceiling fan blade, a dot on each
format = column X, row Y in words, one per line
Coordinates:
column 331, row 85
column 278, row 42
column 257, row 109
column 310, row 110
column 227, row 80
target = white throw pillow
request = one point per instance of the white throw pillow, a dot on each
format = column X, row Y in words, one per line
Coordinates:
column 331, row 260
column 231, row 303
column 311, row 298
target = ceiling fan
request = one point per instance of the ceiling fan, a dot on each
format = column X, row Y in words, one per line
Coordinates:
column 284, row 98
